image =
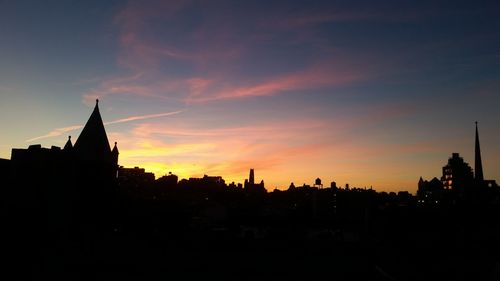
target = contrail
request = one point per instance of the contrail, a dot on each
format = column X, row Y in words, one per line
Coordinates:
column 56, row 132
column 60, row 131
column 150, row 116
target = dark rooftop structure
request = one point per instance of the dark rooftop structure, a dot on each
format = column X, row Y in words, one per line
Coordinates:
column 93, row 144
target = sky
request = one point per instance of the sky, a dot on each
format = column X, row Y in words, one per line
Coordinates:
column 370, row 93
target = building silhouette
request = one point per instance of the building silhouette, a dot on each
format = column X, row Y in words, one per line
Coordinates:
column 459, row 183
column 251, row 186
column 91, row 158
column 457, row 174
column 478, row 168
column 134, row 177
column 92, row 151
column 430, row 192
column 66, row 186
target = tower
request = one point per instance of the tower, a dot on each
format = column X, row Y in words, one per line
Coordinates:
column 251, row 178
column 478, row 165
column 96, row 161
column 92, row 144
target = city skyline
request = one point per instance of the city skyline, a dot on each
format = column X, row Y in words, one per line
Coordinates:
column 93, row 142
column 365, row 94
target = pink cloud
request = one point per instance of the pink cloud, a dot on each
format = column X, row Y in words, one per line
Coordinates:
column 213, row 77
column 280, row 150
column 229, row 152
column 269, row 130
column 308, row 79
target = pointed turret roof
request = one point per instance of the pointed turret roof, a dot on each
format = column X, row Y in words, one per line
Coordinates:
column 115, row 149
column 68, row 144
column 93, row 142
column 478, row 165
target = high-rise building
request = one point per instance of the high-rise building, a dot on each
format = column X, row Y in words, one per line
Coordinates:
column 251, row 186
column 251, row 178
column 457, row 174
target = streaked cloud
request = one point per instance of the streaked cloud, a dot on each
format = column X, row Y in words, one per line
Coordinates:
column 61, row 131
column 212, row 50
column 142, row 117
column 56, row 132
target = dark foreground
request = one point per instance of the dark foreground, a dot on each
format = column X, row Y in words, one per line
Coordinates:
column 293, row 253
column 237, row 237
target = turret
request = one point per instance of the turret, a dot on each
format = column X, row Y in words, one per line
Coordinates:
column 68, row 145
column 114, row 154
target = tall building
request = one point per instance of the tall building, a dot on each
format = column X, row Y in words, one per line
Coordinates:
column 457, row 174
column 251, row 178
column 251, row 186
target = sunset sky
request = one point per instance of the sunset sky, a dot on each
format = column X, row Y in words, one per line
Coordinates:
column 370, row 93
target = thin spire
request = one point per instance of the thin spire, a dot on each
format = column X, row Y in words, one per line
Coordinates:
column 478, row 164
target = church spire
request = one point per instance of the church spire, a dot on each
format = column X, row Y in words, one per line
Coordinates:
column 478, row 165
column 92, row 144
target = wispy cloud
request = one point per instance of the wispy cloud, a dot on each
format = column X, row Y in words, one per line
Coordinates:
column 207, row 61
column 313, row 78
column 56, row 132
column 61, row 131
column 143, row 117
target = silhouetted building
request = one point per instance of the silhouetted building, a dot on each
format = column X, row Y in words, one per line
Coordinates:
column 37, row 166
column 95, row 158
column 251, row 186
column 4, row 169
column 430, row 192
column 207, row 182
column 215, row 179
column 168, row 181
column 478, row 167
column 80, row 175
column 459, row 182
column 251, row 177
column 457, row 174
column 134, row 177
